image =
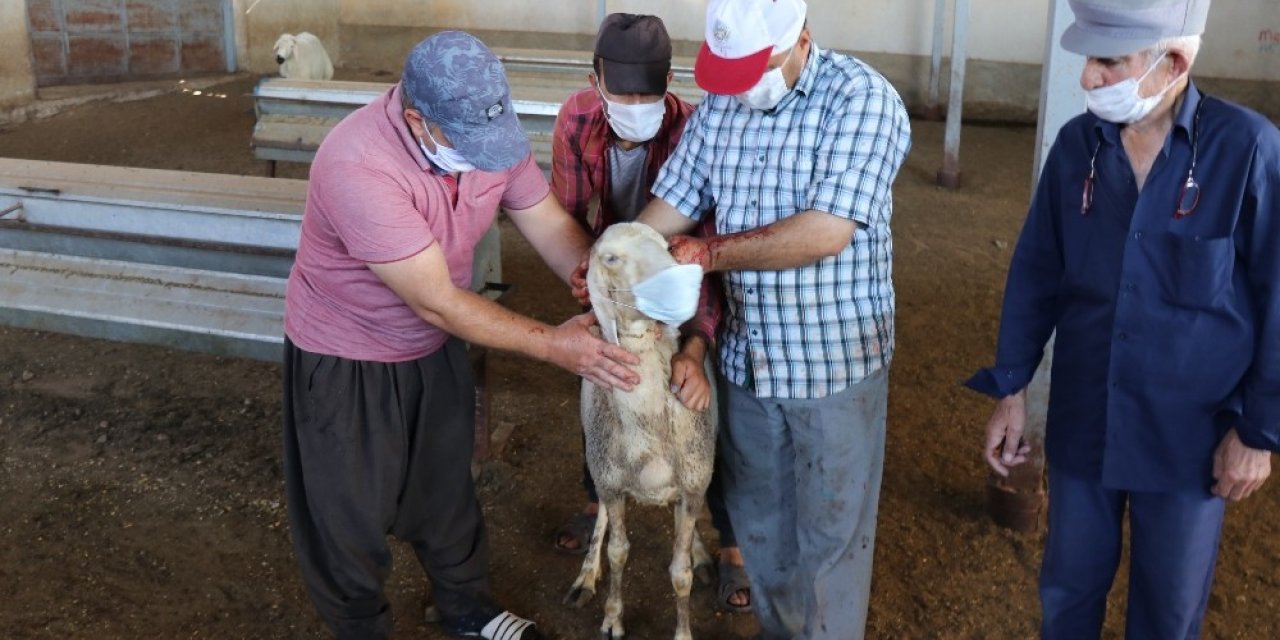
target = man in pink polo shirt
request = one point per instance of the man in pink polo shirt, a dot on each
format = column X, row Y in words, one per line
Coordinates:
column 378, row 395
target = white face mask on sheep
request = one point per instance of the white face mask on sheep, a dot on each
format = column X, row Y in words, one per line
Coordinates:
column 633, row 281
column 644, row 443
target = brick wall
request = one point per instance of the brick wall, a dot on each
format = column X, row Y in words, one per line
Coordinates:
column 95, row 40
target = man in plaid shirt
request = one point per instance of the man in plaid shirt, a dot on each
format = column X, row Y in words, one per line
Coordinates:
column 609, row 143
column 796, row 150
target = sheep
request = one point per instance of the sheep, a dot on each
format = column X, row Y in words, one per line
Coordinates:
column 643, row 443
column 302, row 57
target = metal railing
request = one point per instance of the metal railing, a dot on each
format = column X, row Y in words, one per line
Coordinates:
column 294, row 116
column 186, row 260
column 193, row 261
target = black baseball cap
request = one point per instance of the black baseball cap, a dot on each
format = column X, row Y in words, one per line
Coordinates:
column 635, row 51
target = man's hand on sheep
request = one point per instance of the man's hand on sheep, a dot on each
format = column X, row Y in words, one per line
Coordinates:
column 576, row 349
column 578, row 283
column 691, row 250
column 689, row 377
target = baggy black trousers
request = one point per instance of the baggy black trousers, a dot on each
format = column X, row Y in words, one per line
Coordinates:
column 371, row 449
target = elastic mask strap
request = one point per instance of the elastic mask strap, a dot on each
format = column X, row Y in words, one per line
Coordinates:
column 1152, row 67
column 434, row 142
column 621, row 304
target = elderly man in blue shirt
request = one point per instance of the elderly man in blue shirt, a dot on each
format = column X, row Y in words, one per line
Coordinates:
column 1152, row 247
column 796, row 149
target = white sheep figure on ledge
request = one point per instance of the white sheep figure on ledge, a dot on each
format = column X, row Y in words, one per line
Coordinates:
column 643, row 443
column 302, row 57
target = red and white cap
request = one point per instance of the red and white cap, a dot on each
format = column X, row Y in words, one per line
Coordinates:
column 741, row 36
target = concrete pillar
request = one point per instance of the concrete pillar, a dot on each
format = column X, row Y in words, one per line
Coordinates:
column 17, row 72
column 949, row 174
column 1018, row 502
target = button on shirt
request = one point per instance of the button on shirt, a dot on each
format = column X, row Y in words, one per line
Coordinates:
column 833, row 144
column 1168, row 329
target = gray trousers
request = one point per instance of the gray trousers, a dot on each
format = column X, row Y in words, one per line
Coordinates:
column 802, row 484
column 372, row 449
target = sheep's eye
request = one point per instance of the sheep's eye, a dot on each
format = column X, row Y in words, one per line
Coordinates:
column 610, row 259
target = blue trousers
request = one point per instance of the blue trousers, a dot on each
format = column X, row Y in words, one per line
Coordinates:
column 1173, row 546
column 802, row 484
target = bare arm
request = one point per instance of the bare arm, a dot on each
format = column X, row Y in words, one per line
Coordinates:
column 795, row 241
column 554, row 234
column 422, row 281
column 665, row 219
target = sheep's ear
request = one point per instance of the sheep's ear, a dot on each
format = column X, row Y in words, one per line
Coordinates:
column 606, row 312
column 608, row 325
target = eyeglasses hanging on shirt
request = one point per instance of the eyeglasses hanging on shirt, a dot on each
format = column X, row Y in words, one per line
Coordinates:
column 1188, row 197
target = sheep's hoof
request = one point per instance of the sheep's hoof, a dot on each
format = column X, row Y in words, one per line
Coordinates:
column 579, row 596
column 611, row 631
column 703, row 573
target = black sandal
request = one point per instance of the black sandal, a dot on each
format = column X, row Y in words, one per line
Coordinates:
column 579, row 528
column 733, row 578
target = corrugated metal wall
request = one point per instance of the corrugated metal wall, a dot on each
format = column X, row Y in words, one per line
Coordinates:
column 99, row 40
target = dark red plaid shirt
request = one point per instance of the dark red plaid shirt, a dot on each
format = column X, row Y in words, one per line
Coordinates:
column 580, row 173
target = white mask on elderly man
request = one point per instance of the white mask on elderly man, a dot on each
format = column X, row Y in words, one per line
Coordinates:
column 670, row 295
column 447, row 159
column 769, row 90
column 1120, row 102
column 634, row 122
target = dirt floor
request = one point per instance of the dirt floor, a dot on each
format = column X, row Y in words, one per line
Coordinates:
column 141, row 492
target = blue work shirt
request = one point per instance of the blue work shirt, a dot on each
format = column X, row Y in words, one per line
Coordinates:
column 1168, row 329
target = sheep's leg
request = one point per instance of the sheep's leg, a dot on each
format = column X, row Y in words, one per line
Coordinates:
column 686, row 510
column 701, row 560
column 584, row 588
column 619, row 546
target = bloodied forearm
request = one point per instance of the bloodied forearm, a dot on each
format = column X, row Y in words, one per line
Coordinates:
column 797, row 241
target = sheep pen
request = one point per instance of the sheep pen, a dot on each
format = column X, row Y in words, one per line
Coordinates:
column 302, row 56
column 140, row 488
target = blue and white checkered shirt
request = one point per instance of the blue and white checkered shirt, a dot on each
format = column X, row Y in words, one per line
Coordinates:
column 834, row 144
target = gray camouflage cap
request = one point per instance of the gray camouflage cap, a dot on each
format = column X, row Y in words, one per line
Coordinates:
column 459, row 84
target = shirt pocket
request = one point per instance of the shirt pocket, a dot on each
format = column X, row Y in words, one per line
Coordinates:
column 1194, row 271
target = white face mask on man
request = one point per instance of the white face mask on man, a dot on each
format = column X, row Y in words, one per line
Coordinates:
column 769, row 90
column 447, row 159
column 634, row 122
column 1120, row 102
